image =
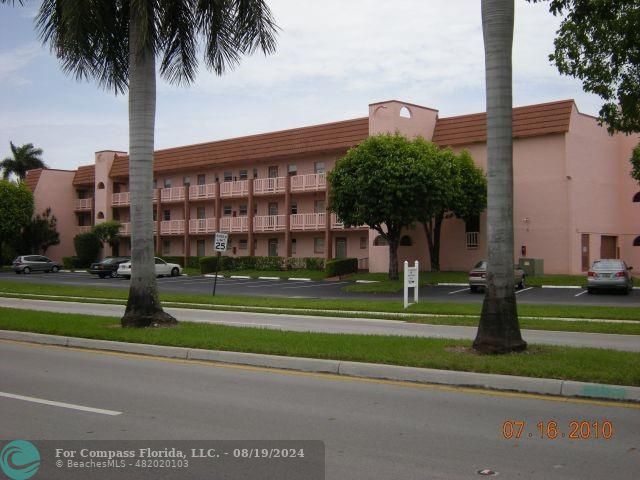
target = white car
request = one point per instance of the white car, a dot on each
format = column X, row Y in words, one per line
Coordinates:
column 162, row 269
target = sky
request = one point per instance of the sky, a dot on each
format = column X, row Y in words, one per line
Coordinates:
column 333, row 59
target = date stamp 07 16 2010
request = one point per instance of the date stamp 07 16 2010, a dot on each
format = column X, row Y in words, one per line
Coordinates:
column 552, row 430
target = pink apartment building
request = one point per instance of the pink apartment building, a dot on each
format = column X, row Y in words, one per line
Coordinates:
column 574, row 198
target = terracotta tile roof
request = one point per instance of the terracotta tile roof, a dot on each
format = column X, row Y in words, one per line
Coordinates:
column 85, row 175
column 529, row 121
column 330, row 137
column 32, row 178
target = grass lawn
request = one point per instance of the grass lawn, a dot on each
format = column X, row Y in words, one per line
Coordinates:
column 582, row 364
column 312, row 274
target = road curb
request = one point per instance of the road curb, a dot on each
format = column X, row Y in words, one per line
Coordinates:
column 543, row 386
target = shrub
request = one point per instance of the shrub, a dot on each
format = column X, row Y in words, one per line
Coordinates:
column 208, row 264
column 341, row 266
column 88, row 247
column 314, row 263
column 304, row 263
column 70, row 263
column 269, row 263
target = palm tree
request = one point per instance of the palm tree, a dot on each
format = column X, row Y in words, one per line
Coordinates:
column 499, row 331
column 117, row 42
column 25, row 157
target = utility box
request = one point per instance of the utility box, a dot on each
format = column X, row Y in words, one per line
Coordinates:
column 533, row 267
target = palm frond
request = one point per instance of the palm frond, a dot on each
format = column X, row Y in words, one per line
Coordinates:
column 215, row 21
column 176, row 27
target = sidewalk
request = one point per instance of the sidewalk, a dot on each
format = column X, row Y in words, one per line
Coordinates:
column 309, row 323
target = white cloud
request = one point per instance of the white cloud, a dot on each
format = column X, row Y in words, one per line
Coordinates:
column 13, row 61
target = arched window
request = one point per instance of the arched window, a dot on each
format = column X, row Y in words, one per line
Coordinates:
column 380, row 241
column 636, row 197
column 100, row 186
column 405, row 112
column 405, row 241
column 636, row 242
column 100, row 216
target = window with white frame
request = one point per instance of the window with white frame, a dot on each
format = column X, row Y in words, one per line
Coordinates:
column 226, row 210
column 166, row 247
column 318, row 167
column 242, row 244
column 318, row 245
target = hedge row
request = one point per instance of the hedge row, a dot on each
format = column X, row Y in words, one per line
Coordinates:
column 341, row 266
column 70, row 263
column 192, row 262
column 208, row 264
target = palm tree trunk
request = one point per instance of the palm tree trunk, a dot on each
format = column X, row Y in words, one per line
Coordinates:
column 499, row 331
column 143, row 305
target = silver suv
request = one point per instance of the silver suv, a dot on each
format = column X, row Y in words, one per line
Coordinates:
column 34, row 263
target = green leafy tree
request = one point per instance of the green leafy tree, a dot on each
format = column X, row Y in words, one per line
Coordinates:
column 453, row 186
column 378, row 183
column 635, row 164
column 16, row 209
column 108, row 232
column 117, row 43
column 499, row 330
column 23, row 158
column 598, row 42
column 40, row 233
column 87, row 247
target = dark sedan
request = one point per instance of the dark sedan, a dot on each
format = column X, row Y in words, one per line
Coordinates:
column 108, row 267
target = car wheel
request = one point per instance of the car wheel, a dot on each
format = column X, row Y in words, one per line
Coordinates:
column 175, row 272
column 522, row 285
column 473, row 288
column 26, row 270
column 128, row 277
column 114, row 274
column 55, row 269
column 102, row 275
column 590, row 290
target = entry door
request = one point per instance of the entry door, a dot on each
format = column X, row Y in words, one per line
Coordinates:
column 341, row 247
column 585, row 252
column 608, row 247
column 273, row 247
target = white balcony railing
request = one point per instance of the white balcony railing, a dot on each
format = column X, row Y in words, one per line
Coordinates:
column 472, row 240
column 311, row 182
column 234, row 224
column 172, row 227
column 84, row 203
column 264, row 186
column 269, row 223
column 234, row 189
column 84, row 229
column 337, row 224
column 122, row 198
column 203, row 225
column 125, row 228
column 308, row 221
column 174, row 194
column 202, row 191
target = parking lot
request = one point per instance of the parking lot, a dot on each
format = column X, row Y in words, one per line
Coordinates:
column 327, row 289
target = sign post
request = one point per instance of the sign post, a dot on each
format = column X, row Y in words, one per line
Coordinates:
column 219, row 245
column 410, row 281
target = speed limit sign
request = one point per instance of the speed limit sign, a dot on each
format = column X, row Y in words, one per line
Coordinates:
column 220, row 242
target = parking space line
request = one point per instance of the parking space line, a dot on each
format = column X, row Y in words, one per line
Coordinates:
column 319, row 284
column 524, row 290
column 458, row 291
column 581, row 293
column 60, row 404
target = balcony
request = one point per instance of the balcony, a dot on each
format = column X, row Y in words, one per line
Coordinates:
column 308, row 221
column 312, row 182
column 234, row 189
column 84, row 204
column 269, row 223
column 337, row 224
column 84, row 229
column 118, row 199
column 125, row 229
column 202, row 192
column 266, row 186
column 172, row 227
column 174, row 194
column 472, row 240
column 234, row 224
column 203, row 225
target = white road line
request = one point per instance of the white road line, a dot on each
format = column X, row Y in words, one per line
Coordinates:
column 246, row 324
column 524, row 290
column 458, row 291
column 318, row 285
column 581, row 293
column 60, row 404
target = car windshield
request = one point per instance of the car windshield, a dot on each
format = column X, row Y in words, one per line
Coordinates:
column 482, row 264
column 607, row 264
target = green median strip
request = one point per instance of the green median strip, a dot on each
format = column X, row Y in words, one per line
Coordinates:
column 581, row 364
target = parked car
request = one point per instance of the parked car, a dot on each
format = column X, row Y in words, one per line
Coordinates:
column 34, row 263
column 162, row 269
column 609, row 274
column 108, row 267
column 478, row 276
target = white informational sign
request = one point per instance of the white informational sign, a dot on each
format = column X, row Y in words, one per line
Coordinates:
column 220, row 242
column 410, row 281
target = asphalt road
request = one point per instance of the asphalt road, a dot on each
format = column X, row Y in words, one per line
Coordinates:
column 371, row 429
column 303, row 323
column 327, row 289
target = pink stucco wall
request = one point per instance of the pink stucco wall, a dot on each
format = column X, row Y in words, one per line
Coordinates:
column 54, row 190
